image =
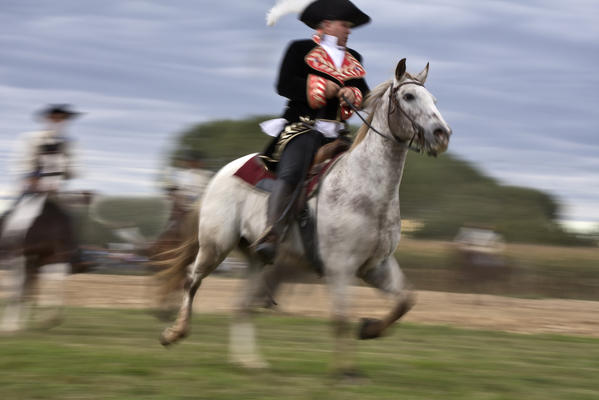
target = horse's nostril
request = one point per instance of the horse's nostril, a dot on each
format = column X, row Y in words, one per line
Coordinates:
column 441, row 133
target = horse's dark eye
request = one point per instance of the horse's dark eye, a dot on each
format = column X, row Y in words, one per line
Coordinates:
column 408, row 97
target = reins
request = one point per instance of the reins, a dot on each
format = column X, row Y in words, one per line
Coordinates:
column 392, row 99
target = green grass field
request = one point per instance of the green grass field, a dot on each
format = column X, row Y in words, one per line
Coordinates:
column 109, row 354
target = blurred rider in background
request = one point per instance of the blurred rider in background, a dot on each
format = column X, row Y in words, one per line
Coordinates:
column 42, row 163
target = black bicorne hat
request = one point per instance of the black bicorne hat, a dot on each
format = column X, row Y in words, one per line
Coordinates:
column 333, row 10
column 64, row 109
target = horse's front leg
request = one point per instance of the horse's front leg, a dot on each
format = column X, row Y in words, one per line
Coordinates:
column 243, row 349
column 343, row 362
column 388, row 278
column 52, row 297
column 15, row 285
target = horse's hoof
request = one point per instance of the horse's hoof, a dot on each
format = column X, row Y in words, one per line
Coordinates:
column 253, row 363
column 370, row 328
column 164, row 339
column 170, row 336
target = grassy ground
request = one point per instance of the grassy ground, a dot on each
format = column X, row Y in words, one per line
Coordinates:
column 108, row 354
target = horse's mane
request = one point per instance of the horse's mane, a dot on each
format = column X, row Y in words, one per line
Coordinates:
column 372, row 102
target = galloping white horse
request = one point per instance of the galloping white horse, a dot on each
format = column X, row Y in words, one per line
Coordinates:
column 358, row 218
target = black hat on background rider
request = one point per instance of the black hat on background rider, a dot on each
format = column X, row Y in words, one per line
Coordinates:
column 63, row 110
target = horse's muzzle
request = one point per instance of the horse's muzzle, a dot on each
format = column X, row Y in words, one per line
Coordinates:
column 442, row 135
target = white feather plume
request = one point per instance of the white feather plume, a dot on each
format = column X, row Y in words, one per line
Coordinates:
column 284, row 7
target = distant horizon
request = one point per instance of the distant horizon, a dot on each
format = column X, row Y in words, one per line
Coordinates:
column 574, row 226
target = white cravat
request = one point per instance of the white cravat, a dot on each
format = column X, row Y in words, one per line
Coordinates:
column 336, row 52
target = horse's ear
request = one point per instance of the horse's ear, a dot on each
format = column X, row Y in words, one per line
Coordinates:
column 401, row 69
column 421, row 77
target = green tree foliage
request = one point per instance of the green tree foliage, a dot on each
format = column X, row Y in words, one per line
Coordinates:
column 446, row 193
column 222, row 141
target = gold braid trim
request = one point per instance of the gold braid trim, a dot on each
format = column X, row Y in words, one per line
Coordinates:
column 291, row 131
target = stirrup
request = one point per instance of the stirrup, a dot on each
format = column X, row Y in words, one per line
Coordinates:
column 266, row 251
column 263, row 236
column 266, row 245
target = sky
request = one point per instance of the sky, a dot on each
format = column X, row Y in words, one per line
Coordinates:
column 516, row 80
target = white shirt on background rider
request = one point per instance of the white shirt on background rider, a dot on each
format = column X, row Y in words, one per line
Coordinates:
column 28, row 160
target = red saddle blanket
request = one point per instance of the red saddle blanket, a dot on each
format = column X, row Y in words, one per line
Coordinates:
column 254, row 172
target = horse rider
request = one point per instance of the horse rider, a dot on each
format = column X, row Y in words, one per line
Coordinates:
column 43, row 162
column 317, row 76
column 186, row 179
column 184, row 183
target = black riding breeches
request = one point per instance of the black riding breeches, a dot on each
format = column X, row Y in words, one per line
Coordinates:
column 298, row 155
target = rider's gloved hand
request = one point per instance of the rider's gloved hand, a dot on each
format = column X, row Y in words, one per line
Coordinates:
column 331, row 90
column 348, row 94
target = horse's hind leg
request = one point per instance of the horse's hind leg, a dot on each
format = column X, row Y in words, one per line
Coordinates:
column 15, row 287
column 389, row 278
column 207, row 259
column 243, row 350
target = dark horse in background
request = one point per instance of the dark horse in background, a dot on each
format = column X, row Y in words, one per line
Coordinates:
column 166, row 287
column 48, row 245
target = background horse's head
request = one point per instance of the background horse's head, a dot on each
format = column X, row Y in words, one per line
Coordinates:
column 411, row 111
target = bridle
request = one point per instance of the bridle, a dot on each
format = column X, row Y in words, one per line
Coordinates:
column 417, row 129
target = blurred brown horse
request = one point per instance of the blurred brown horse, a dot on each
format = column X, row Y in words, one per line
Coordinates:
column 167, row 285
column 48, row 245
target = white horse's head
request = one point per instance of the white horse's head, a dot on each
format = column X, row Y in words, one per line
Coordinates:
column 411, row 111
column 426, row 128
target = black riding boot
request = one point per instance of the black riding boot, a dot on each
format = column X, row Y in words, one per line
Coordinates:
column 279, row 208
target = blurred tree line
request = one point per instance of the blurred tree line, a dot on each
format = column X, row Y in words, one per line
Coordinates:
column 443, row 193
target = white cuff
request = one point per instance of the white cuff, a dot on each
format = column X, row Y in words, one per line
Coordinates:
column 273, row 127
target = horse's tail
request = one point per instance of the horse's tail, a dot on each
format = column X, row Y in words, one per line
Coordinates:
column 174, row 261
